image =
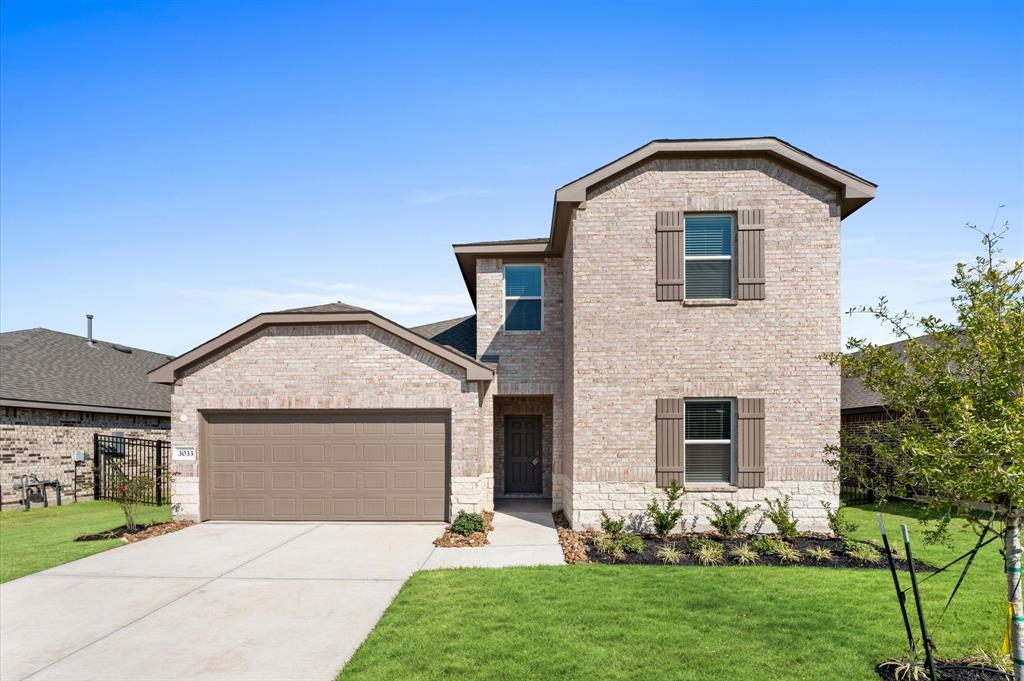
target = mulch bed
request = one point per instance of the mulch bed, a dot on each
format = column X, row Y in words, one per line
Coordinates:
column 951, row 670
column 578, row 547
column 453, row 540
column 140, row 533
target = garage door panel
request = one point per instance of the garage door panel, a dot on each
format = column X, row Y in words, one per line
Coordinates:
column 314, row 453
column 325, row 466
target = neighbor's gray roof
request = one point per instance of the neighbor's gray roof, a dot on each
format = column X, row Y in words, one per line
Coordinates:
column 40, row 365
column 457, row 334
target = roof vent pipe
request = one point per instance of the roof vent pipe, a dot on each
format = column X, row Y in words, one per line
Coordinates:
column 88, row 329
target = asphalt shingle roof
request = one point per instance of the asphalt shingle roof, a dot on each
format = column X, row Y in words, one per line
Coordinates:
column 329, row 307
column 40, row 365
column 458, row 334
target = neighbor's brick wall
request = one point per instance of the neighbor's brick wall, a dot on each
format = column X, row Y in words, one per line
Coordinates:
column 344, row 366
column 530, row 363
column 528, row 405
column 627, row 349
column 42, row 442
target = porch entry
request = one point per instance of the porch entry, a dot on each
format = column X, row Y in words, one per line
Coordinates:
column 523, row 455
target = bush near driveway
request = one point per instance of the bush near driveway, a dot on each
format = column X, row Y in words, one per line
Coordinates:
column 627, row 622
column 41, row 538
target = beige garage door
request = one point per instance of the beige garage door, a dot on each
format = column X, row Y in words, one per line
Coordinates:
column 324, row 466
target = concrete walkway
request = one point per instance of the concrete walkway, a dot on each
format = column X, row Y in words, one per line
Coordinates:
column 237, row 601
column 524, row 534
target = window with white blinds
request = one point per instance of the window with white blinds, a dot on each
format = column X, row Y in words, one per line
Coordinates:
column 707, row 443
column 524, row 297
column 708, row 256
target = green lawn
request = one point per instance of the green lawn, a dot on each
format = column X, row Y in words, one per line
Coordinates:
column 627, row 622
column 40, row 538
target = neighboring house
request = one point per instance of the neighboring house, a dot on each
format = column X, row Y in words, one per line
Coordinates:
column 861, row 406
column 57, row 390
column 669, row 327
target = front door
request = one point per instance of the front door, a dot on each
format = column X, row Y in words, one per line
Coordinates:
column 523, row 454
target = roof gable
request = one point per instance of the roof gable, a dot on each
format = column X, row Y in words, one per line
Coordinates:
column 332, row 313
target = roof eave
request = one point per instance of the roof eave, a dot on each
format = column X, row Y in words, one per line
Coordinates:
column 466, row 255
column 169, row 372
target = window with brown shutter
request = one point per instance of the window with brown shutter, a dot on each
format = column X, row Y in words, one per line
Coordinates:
column 750, row 254
column 750, row 441
column 669, row 439
column 668, row 225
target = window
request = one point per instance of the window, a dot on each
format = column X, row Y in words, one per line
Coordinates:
column 708, row 256
column 524, row 297
column 708, row 441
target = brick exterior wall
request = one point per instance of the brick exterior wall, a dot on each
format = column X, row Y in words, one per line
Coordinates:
column 625, row 349
column 531, row 405
column 530, row 363
column 344, row 366
column 42, row 442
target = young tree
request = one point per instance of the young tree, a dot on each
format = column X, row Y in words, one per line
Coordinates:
column 127, row 490
column 956, row 402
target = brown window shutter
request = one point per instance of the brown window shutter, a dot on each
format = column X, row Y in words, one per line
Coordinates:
column 669, row 437
column 750, row 254
column 750, row 442
column 669, row 234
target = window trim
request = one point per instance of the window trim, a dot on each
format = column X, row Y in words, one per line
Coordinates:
column 506, row 297
column 732, row 258
column 731, row 481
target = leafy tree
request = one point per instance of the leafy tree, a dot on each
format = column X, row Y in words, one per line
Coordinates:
column 955, row 402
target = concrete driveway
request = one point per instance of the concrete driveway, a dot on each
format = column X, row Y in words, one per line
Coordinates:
column 214, row 601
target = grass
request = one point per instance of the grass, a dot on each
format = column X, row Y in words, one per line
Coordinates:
column 41, row 538
column 626, row 622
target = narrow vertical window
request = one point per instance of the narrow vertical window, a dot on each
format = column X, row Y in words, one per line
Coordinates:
column 524, row 297
column 708, row 441
column 708, row 256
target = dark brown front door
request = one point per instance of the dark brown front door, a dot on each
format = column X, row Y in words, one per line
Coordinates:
column 523, row 454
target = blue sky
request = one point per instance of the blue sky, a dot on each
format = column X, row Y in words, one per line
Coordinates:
column 174, row 168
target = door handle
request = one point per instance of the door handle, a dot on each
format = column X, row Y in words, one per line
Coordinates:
column 535, row 461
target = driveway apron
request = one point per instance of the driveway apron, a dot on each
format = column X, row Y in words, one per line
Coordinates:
column 219, row 601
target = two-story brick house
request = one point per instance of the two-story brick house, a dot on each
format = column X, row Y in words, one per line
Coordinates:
column 670, row 326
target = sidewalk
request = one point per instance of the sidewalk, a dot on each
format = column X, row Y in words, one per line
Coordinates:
column 524, row 534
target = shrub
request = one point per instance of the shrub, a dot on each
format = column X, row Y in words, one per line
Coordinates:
column 666, row 517
column 612, row 528
column 779, row 512
column 765, row 546
column 730, row 521
column 863, row 552
column 669, row 554
column 907, row 669
column 632, row 543
column 468, row 523
column 127, row 491
column 837, row 521
column 820, row 554
column 708, row 552
column 617, row 547
column 745, row 554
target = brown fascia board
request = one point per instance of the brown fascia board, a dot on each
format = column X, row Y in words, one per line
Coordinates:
column 467, row 254
column 93, row 408
column 854, row 191
column 169, row 372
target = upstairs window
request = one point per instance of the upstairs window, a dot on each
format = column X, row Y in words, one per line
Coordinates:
column 708, row 256
column 524, row 297
column 708, row 441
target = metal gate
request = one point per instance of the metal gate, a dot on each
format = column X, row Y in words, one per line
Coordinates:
column 133, row 457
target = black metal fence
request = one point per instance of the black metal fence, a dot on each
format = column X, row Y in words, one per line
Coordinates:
column 132, row 457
